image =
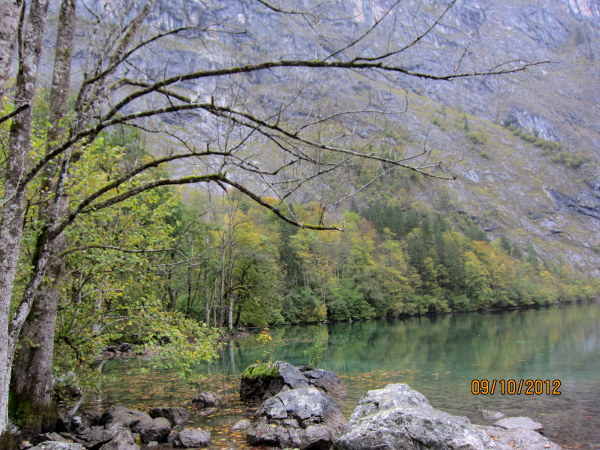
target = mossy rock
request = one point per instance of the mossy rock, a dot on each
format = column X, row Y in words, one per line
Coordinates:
column 264, row 380
column 261, row 370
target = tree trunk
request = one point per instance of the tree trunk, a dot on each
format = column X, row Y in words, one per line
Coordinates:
column 32, row 385
column 230, row 313
column 9, row 20
column 11, row 224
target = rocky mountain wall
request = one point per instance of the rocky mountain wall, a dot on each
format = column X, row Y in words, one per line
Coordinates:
column 512, row 180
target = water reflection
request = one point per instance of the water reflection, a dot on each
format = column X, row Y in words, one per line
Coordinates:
column 438, row 356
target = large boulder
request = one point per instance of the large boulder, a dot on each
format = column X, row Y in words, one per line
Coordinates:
column 398, row 417
column 264, row 380
column 302, row 418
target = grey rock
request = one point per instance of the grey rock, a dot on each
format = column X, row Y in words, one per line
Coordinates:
column 176, row 416
column 519, row 438
column 158, row 431
column 206, row 400
column 302, row 418
column 123, row 440
column 519, row 423
column 191, row 438
column 259, row 385
column 534, row 124
column 241, row 425
column 54, row 445
column 491, row 415
column 132, row 418
column 282, row 376
column 327, row 381
column 398, row 417
column 50, row 437
column 97, row 435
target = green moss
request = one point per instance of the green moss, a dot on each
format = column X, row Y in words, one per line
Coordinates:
column 261, row 370
column 31, row 416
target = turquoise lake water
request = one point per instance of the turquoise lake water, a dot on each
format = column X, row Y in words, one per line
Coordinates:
column 438, row 356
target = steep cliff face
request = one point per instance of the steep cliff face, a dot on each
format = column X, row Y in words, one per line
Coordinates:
column 515, row 181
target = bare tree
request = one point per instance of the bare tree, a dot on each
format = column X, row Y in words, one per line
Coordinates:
column 117, row 92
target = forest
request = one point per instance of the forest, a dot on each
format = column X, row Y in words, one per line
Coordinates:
column 172, row 264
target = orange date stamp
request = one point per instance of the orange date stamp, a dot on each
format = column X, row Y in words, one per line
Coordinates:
column 515, row 387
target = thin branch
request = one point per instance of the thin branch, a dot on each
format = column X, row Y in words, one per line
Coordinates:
column 112, row 247
column 12, row 114
column 415, row 41
column 365, row 34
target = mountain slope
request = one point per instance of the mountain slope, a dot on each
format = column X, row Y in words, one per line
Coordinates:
column 536, row 182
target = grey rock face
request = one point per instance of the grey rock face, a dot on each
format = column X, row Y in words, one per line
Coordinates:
column 302, row 418
column 191, row 438
column 176, row 416
column 533, row 123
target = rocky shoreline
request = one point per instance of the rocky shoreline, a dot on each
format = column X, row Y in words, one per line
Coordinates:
column 298, row 409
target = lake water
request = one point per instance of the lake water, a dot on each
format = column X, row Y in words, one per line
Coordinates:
column 438, row 356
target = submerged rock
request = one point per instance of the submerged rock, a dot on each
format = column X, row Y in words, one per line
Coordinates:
column 241, row 425
column 302, row 418
column 492, row 415
column 206, row 400
column 519, row 423
column 519, row 438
